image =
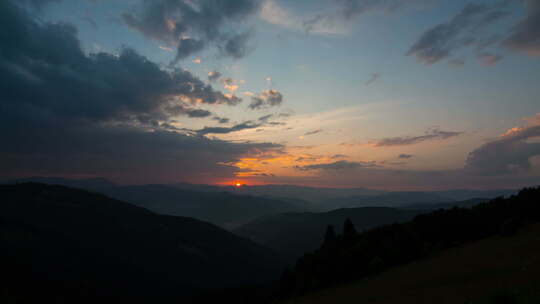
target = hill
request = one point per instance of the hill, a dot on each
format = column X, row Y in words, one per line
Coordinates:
column 62, row 242
column 353, row 256
column 204, row 202
column 293, row 234
column 491, row 271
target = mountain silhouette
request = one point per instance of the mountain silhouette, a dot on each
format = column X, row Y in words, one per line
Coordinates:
column 62, row 241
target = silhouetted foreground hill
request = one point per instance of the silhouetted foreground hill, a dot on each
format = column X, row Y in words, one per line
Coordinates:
column 58, row 242
column 294, row 234
column 497, row 270
column 352, row 256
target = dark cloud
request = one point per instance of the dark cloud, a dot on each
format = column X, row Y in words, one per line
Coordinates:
column 224, row 130
column 237, row 46
column 373, row 78
column 203, row 21
column 464, row 29
column 67, row 113
column 214, row 76
column 433, row 134
column 188, row 46
column 489, row 59
column 509, row 154
column 268, row 98
column 338, row 165
column 525, row 36
column 405, row 156
column 182, row 110
column 313, row 132
column 221, row 120
column 265, row 117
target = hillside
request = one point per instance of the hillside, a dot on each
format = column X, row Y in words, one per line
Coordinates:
column 62, row 241
column 293, row 234
column 495, row 270
column 353, row 256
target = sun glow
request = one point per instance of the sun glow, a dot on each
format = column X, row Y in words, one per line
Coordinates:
column 238, row 185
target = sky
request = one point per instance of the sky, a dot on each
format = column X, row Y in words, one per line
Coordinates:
column 385, row 94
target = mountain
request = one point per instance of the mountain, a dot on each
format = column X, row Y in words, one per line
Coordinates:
column 389, row 199
column 293, row 234
column 82, row 183
column 57, row 241
column 309, row 194
column 465, row 194
column 221, row 208
column 399, row 199
column 213, row 204
column 434, row 206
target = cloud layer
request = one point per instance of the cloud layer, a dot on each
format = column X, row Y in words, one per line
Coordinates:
column 65, row 112
column 464, row 29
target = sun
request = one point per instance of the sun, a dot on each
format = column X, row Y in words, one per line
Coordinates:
column 238, row 185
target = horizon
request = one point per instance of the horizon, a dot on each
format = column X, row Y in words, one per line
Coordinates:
column 422, row 95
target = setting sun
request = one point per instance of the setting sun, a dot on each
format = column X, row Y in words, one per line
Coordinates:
column 238, row 185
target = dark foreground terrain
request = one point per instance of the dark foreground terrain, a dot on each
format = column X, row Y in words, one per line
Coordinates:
column 497, row 270
column 61, row 244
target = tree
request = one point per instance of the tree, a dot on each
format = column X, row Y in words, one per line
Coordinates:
column 330, row 235
column 348, row 229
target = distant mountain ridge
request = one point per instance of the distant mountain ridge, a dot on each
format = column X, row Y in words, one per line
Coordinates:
column 294, row 234
column 231, row 207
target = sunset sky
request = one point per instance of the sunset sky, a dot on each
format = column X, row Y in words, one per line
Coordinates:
column 387, row 94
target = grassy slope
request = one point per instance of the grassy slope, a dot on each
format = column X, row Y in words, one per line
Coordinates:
column 467, row 274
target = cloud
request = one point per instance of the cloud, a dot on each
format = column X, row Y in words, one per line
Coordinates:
column 463, row 30
column 510, row 153
column 313, row 132
column 237, row 45
column 354, row 8
column 405, row 156
column 221, row 120
column 265, row 117
column 194, row 26
column 373, row 78
column 322, row 24
column 224, row 130
column 489, row 59
column 229, row 84
column 456, row 62
column 267, row 98
column 525, row 36
column 64, row 112
column 338, row 165
column 182, row 110
column 214, row 76
column 432, row 134
column 36, row 4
